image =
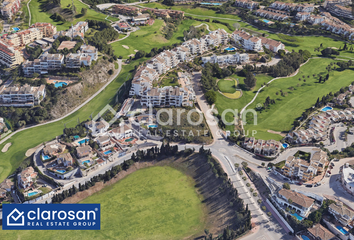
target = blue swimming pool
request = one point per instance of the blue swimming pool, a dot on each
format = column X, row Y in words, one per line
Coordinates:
column 265, row 20
column 325, row 109
column 215, row 4
column 60, row 84
column 153, row 126
column 107, row 152
column 15, row 29
column 297, row 216
column 285, row 145
column 87, row 161
column 83, row 141
column 304, row 237
column 230, row 49
column 76, row 137
column 61, row 171
column 342, row 230
column 45, row 157
column 32, row 194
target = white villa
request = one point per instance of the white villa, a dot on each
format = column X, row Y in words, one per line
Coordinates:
column 299, row 202
column 98, row 127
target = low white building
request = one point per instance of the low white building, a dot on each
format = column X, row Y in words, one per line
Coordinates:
column 227, row 59
column 347, row 178
column 123, row 131
column 246, row 40
column 341, row 213
column 98, row 127
column 299, row 202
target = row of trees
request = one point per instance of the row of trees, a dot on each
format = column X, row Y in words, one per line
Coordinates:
column 210, row 73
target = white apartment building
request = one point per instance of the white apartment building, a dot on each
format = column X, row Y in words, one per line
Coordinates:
column 9, row 55
column 24, row 96
column 300, row 203
column 182, row 53
column 44, row 64
column 170, row 58
column 303, row 7
column 47, row 29
column 143, row 80
column 227, row 59
column 246, row 4
column 77, row 60
column 24, row 37
column 168, row 96
column 272, row 45
column 247, row 41
column 90, row 51
column 195, row 46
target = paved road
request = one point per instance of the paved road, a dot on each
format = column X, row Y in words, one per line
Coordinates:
column 29, row 13
column 108, row 5
column 74, row 110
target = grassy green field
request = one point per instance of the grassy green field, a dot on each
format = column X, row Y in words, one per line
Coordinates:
column 227, row 86
column 281, row 115
column 39, row 16
column 151, row 203
column 29, row 138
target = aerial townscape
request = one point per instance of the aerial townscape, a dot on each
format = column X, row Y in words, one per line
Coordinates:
column 214, row 120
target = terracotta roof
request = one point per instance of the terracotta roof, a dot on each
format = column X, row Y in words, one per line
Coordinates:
column 298, row 198
column 321, row 232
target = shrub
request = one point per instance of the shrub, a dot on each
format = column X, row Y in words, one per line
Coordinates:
column 264, row 208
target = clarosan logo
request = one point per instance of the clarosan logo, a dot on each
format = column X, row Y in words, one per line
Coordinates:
column 51, row 217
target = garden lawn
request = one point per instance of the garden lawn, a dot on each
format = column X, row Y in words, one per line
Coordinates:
column 281, row 115
column 163, row 206
column 39, row 16
column 30, row 138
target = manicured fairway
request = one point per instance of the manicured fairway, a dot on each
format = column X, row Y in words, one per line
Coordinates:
column 286, row 109
column 227, row 86
column 152, row 203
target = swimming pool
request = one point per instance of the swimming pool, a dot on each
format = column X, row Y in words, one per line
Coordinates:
column 61, row 171
column 76, row 137
column 60, row 84
column 325, row 109
column 15, row 29
column 107, row 152
column 215, row 4
column 297, row 216
column 304, row 237
column 87, row 161
column 45, row 157
column 153, row 126
column 230, row 49
column 129, row 140
column 83, row 141
column 265, row 20
column 285, row 145
column 342, row 230
column 32, row 194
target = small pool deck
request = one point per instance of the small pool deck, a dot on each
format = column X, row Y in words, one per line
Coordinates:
column 123, row 141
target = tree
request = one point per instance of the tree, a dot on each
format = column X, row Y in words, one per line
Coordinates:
column 269, row 214
column 83, row 11
column 286, row 186
column 290, row 201
column 210, row 97
column 263, row 164
column 250, row 80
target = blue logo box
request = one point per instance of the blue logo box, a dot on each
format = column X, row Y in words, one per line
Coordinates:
column 51, row 217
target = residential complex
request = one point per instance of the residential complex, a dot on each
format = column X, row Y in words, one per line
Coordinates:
column 126, row 10
column 227, row 59
column 21, row 96
column 341, row 8
column 24, row 37
column 47, row 29
column 246, row 4
column 252, row 43
column 319, row 125
column 299, row 202
column 262, row 147
column 273, row 14
column 298, row 7
column 9, row 56
column 10, row 7
column 79, row 29
column 47, row 62
column 296, row 168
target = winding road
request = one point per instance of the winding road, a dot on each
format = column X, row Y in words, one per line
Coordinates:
column 74, row 110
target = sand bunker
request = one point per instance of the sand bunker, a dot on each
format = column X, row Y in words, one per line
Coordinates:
column 6, row 147
column 125, row 46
